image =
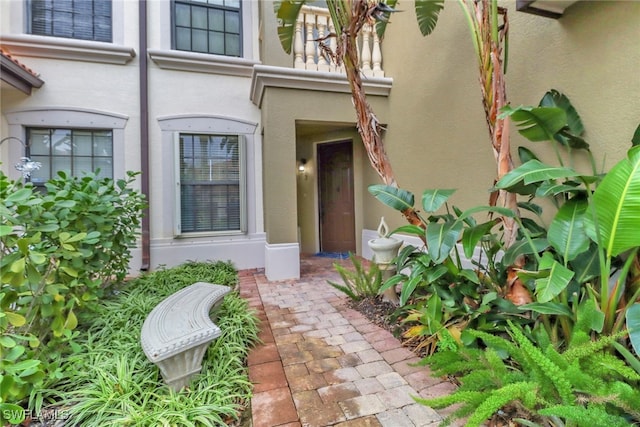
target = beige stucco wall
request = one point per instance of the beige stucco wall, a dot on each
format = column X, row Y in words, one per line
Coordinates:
column 437, row 136
column 115, row 89
column 79, row 84
column 281, row 108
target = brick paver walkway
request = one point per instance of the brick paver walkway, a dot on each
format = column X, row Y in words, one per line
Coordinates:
column 324, row 364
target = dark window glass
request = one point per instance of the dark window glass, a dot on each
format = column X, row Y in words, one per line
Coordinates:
column 208, row 26
column 210, row 186
column 76, row 19
column 72, row 150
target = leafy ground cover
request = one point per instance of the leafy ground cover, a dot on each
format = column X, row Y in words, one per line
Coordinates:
column 108, row 381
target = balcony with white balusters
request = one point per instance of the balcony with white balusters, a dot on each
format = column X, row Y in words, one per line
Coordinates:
column 312, row 67
column 312, row 30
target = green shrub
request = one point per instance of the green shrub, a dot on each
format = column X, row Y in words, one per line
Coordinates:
column 60, row 250
column 359, row 283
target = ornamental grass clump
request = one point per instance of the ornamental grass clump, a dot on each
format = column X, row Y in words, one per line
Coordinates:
column 358, row 282
column 110, row 381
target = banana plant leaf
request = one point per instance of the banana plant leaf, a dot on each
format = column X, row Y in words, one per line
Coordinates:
column 586, row 265
column 534, row 171
column 531, row 207
column 432, row 200
column 558, row 279
column 573, row 141
column 409, row 229
column 472, row 236
column 462, row 216
column 554, row 308
column 551, row 189
column 522, row 247
column 566, row 232
column 571, row 135
column 287, row 12
column 441, row 238
column 589, row 317
column 525, row 155
column 635, row 140
column 633, row 326
column 616, row 202
column 536, row 123
column 393, row 197
column 427, row 13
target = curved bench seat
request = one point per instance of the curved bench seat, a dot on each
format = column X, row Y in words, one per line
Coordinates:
column 177, row 332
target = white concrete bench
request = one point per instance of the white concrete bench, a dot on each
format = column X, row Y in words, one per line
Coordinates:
column 177, row 332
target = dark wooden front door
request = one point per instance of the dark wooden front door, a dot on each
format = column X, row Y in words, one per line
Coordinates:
column 335, row 182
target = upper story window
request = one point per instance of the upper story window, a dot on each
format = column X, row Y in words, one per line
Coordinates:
column 208, row 26
column 75, row 19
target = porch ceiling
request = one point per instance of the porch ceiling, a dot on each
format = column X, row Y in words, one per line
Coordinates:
column 309, row 127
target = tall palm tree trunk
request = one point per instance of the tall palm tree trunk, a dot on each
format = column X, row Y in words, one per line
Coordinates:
column 490, row 36
column 368, row 125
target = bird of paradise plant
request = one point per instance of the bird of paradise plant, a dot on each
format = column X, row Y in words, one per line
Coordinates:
column 489, row 32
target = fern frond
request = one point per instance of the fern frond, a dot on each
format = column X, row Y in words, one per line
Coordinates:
column 584, row 381
column 494, row 341
column 497, row 399
column 556, row 358
column 455, row 362
column 544, row 365
column 469, row 401
column 592, row 415
column 606, row 365
column 464, row 397
column 588, row 348
column 628, row 399
column 496, row 365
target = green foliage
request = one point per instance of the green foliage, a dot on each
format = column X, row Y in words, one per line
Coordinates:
column 595, row 223
column 442, row 292
column 427, row 14
column 581, row 385
column 358, row 283
column 60, row 250
column 112, row 383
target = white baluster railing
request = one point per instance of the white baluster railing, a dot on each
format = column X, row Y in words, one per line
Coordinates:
column 314, row 24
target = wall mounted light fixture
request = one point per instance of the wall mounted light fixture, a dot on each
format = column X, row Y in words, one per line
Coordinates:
column 25, row 166
column 301, row 165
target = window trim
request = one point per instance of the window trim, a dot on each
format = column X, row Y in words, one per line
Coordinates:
column 29, row 24
column 241, row 34
column 242, row 149
column 215, row 124
column 19, row 43
column 65, row 117
column 161, row 53
column 72, row 156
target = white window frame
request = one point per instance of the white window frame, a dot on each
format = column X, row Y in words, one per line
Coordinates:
column 20, row 43
column 77, row 118
column 29, row 22
column 162, row 54
column 243, row 188
column 171, row 127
